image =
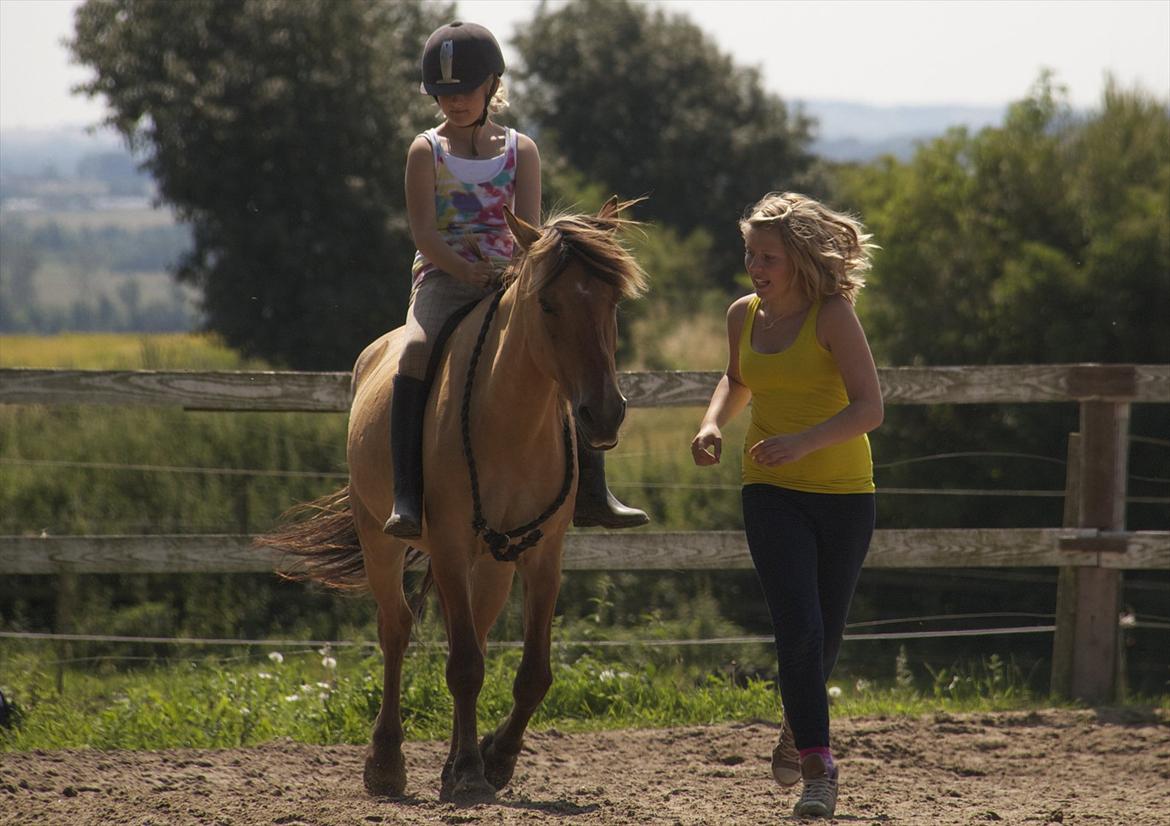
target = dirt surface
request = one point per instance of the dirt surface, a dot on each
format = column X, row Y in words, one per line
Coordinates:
column 1068, row 767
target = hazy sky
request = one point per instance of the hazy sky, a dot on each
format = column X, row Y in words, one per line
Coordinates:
column 877, row 51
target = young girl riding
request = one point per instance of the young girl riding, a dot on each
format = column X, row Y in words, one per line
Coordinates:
column 459, row 178
column 798, row 353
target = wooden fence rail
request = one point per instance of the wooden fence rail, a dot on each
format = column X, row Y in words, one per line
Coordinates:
column 617, row 551
column 1090, row 550
column 330, row 392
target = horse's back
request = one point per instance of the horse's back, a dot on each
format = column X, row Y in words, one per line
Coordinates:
column 368, row 446
column 379, row 354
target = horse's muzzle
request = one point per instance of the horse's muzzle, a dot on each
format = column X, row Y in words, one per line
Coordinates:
column 598, row 424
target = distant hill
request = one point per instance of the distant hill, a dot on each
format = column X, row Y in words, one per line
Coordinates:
column 33, row 152
column 69, row 168
column 846, row 131
column 849, row 131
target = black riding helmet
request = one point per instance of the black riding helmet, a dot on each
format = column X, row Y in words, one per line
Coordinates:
column 458, row 58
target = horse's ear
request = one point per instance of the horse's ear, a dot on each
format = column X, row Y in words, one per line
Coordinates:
column 525, row 234
column 610, row 208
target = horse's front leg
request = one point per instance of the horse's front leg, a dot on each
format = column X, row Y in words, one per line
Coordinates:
column 463, row 780
column 385, row 766
column 542, row 581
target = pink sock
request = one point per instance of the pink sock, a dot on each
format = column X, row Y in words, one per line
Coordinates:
column 825, row 754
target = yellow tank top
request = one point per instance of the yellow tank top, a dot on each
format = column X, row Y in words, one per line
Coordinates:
column 793, row 390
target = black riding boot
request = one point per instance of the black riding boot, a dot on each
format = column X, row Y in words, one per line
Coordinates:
column 406, row 429
column 595, row 505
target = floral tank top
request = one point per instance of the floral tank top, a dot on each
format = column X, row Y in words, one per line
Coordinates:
column 470, row 196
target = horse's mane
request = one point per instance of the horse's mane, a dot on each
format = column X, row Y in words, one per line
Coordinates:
column 593, row 240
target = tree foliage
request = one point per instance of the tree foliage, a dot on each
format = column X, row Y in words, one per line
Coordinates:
column 278, row 129
column 645, row 103
column 1044, row 240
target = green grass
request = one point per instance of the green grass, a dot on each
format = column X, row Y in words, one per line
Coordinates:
column 213, row 703
column 122, row 351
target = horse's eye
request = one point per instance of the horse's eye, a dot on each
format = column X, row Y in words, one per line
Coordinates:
column 547, row 307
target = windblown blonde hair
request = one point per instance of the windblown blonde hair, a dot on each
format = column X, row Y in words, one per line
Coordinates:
column 499, row 101
column 830, row 250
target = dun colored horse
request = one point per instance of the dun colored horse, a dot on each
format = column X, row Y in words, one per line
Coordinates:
column 498, row 448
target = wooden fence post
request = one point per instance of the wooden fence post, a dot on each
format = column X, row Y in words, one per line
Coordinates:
column 1064, row 640
column 1103, row 467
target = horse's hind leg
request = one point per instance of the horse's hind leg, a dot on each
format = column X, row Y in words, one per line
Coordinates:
column 534, row 677
column 385, row 769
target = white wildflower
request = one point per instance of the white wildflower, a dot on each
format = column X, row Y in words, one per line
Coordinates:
column 862, row 686
column 606, row 675
column 834, row 692
column 264, row 675
column 329, row 662
column 292, row 698
column 276, row 657
column 1127, row 620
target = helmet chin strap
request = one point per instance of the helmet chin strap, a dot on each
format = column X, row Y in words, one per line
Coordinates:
column 483, row 117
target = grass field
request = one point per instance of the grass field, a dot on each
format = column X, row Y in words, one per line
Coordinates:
column 122, row 351
column 323, row 697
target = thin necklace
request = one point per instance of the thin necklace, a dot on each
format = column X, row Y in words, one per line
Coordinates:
column 768, row 325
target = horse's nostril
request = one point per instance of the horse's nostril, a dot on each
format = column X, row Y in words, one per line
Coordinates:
column 584, row 416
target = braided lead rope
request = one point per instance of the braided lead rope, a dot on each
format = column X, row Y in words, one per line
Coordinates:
column 497, row 542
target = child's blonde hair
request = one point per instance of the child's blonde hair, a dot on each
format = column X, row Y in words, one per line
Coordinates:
column 830, row 250
column 499, row 101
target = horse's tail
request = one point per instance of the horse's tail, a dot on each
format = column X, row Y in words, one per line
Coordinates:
column 417, row 598
column 319, row 541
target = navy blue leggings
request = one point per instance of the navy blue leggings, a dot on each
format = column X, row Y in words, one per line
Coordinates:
column 808, row 549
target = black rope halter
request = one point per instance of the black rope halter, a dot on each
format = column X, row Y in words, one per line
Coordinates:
column 499, row 542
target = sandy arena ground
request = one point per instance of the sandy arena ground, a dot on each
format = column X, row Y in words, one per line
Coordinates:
column 1050, row 767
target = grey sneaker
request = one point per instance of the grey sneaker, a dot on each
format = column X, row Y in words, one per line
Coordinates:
column 786, row 758
column 819, row 797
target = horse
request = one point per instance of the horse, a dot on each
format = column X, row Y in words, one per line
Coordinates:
column 498, row 451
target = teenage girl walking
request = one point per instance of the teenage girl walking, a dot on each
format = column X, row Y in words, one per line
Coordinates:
column 798, row 354
column 459, row 178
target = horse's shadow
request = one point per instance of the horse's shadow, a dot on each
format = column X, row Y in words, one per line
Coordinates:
column 560, row 807
column 552, row 807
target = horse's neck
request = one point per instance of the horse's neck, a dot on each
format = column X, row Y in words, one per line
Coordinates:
column 523, row 398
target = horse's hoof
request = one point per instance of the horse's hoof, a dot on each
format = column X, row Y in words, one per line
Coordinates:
column 498, row 766
column 470, row 792
column 385, row 777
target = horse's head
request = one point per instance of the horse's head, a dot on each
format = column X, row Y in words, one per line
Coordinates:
column 571, row 275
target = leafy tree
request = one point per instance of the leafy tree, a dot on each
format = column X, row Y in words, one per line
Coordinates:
column 278, row 129
column 646, row 104
column 1045, row 240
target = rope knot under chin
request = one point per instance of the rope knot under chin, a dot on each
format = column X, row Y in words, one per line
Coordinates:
column 503, row 552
